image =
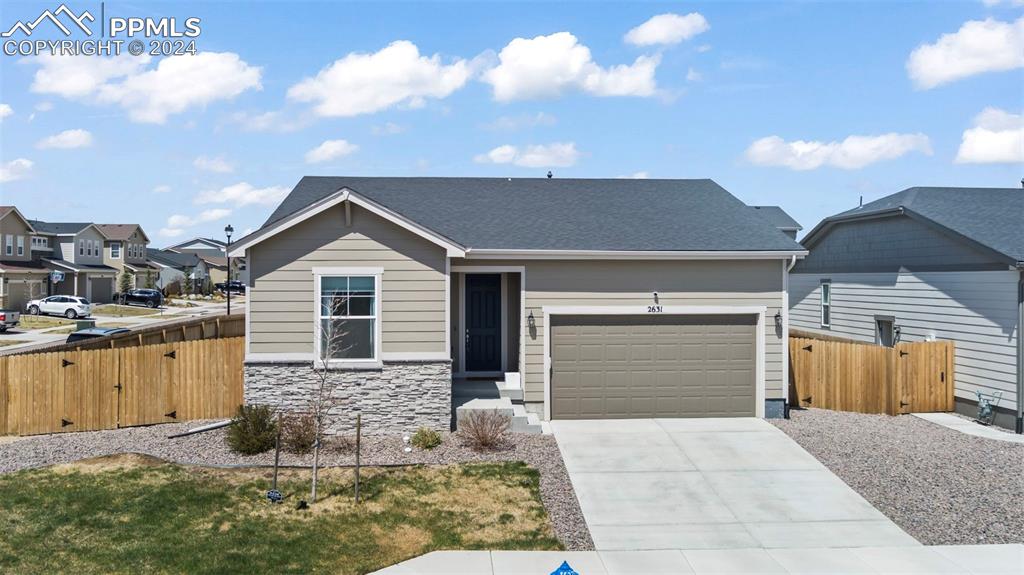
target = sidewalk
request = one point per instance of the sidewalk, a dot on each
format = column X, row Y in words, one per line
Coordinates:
column 969, row 427
column 947, row 559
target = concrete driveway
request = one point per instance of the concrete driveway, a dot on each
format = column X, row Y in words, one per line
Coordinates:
column 711, row 484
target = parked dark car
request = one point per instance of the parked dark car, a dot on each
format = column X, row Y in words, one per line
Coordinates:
column 146, row 297
column 234, row 286
column 94, row 332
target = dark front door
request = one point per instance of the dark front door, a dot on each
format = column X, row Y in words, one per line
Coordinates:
column 483, row 322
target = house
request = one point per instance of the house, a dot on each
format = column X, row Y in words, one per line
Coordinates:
column 214, row 255
column 22, row 277
column 779, row 218
column 922, row 264
column 125, row 250
column 175, row 267
column 75, row 250
column 599, row 298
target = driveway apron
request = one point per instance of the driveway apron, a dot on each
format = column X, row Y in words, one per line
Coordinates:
column 736, row 483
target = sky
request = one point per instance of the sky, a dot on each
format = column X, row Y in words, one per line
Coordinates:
column 806, row 105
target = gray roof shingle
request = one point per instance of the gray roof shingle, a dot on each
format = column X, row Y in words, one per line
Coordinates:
column 992, row 217
column 173, row 259
column 59, row 227
column 778, row 217
column 562, row 214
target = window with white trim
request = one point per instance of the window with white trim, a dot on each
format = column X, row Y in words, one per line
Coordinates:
column 826, row 304
column 9, row 246
column 115, row 250
column 347, row 321
column 21, row 245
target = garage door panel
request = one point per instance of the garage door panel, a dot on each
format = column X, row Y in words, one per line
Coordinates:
column 652, row 366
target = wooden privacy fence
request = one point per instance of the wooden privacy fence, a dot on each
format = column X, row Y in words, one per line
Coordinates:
column 847, row 376
column 121, row 387
column 190, row 329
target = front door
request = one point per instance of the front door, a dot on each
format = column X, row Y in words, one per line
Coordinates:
column 483, row 322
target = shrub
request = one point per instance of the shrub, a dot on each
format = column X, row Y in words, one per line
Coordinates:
column 253, row 431
column 298, row 432
column 484, row 430
column 425, row 438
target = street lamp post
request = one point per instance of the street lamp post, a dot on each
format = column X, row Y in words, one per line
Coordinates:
column 227, row 251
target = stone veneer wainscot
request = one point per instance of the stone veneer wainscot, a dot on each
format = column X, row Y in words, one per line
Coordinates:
column 397, row 398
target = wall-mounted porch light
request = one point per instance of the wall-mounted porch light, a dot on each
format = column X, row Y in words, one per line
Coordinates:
column 531, row 321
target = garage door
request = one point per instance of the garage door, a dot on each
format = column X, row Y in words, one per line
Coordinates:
column 101, row 290
column 652, row 366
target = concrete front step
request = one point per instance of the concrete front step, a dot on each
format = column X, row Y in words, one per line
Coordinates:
column 521, row 421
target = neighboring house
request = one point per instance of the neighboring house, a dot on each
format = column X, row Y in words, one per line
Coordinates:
column 22, row 277
column 125, row 250
column 175, row 266
column 922, row 264
column 213, row 253
column 76, row 250
column 779, row 218
column 601, row 298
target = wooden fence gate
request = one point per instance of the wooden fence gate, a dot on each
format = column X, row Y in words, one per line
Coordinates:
column 848, row 376
column 122, row 387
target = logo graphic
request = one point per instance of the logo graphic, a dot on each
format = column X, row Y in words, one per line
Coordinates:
column 27, row 29
column 564, row 569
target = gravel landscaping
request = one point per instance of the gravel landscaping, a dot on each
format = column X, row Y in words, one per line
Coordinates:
column 941, row 486
column 539, row 451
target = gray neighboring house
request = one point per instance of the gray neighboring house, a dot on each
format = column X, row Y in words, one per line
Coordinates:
column 595, row 298
column 173, row 266
column 921, row 264
column 76, row 249
column 779, row 218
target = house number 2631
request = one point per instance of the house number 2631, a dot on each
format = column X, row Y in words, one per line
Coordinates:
column 654, row 309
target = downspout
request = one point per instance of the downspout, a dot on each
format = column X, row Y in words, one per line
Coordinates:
column 1020, row 350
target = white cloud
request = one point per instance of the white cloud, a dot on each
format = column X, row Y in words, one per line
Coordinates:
column 162, row 189
column 243, row 194
column 218, row 165
column 5, row 110
column 170, row 232
column 996, row 138
column 555, row 155
column 852, row 153
column 693, row 75
column 978, row 46
column 704, row 48
column 43, row 106
column 363, row 83
column 149, row 95
column 330, row 150
column 15, row 170
column 66, row 140
column 522, row 121
column 267, row 122
column 547, row 66
column 179, row 221
column 387, row 129
column 667, row 29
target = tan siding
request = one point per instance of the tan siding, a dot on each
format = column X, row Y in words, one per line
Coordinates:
column 611, row 283
column 12, row 225
column 412, row 289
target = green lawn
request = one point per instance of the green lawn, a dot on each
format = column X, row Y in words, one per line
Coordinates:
column 115, row 310
column 41, row 322
column 135, row 514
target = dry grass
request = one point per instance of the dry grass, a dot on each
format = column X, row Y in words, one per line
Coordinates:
column 7, row 342
column 131, row 513
column 42, row 322
column 116, row 310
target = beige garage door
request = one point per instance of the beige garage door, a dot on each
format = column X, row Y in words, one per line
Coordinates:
column 652, row 366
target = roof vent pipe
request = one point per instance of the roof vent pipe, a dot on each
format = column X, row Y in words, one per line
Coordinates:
column 550, row 175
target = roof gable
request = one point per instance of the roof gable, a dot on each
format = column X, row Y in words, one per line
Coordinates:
column 6, row 210
column 989, row 218
column 121, row 232
column 558, row 214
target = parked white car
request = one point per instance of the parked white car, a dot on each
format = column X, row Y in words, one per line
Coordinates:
column 66, row 305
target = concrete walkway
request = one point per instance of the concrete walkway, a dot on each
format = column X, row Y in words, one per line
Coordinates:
column 964, row 425
column 968, row 559
column 737, row 483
